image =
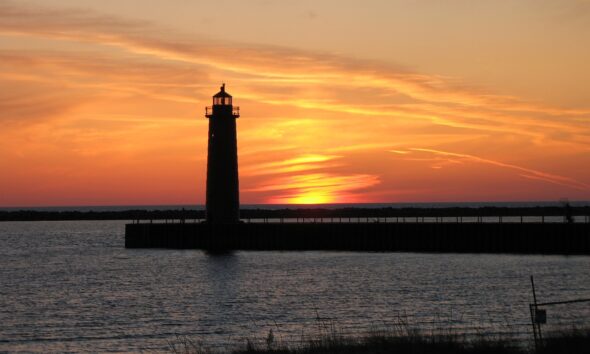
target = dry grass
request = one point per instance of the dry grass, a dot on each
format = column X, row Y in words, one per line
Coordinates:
column 401, row 339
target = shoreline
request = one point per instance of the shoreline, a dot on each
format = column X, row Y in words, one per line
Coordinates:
column 298, row 212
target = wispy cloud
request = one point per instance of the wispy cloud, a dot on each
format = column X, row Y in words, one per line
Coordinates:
column 312, row 126
column 293, row 165
column 454, row 158
column 317, row 188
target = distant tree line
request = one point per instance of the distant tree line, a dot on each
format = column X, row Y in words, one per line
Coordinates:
column 31, row 215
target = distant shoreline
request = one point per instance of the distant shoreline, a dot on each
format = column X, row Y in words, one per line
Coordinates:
column 396, row 205
column 293, row 212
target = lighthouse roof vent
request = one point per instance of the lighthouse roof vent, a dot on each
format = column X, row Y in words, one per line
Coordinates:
column 222, row 93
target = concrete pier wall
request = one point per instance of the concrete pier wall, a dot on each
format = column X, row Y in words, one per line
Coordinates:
column 533, row 238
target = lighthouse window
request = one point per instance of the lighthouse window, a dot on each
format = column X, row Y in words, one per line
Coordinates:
column 221, row 101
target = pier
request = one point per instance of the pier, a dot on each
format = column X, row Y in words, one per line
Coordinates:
column 453, row 235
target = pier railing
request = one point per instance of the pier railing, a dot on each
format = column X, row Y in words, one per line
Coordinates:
column 555, row 219
column 235, row 111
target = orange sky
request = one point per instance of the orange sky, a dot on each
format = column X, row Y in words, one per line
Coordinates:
column 102, row 103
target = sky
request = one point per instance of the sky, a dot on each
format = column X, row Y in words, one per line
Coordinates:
column 342, row 101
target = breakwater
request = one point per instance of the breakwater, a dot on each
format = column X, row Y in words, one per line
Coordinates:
column 531, row 238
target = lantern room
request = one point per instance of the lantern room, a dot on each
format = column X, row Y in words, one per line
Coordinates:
column 222, row 105
column 222, row 98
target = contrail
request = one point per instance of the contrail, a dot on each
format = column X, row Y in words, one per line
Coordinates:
column 526, row 172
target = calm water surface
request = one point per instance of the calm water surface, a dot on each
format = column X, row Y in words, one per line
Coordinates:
column 72, row 286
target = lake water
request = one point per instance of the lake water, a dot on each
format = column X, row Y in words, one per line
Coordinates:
column 72, row 286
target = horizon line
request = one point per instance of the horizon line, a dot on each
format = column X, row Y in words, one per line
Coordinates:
column 300, row 206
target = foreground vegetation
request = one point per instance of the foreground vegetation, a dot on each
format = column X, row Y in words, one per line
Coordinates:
column 574, row 341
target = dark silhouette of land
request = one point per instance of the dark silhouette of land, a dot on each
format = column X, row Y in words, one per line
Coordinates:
column 297, row 213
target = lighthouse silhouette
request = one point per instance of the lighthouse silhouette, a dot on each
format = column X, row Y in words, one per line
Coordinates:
column 223, row 191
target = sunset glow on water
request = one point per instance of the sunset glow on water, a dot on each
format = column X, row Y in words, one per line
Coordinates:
column 71, row 286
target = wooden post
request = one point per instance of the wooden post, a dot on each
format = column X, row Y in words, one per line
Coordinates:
column 536, row 327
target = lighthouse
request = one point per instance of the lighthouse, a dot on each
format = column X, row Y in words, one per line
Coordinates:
column 223, row 192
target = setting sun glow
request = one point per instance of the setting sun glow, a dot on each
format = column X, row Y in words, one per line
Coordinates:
column 308, row 198
column 102, row 105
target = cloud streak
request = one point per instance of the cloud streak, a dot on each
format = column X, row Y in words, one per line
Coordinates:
column 317, row 188
column 312, row 122
column 522, row 171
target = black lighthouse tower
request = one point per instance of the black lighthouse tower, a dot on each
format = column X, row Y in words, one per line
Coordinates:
column 223, row 192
